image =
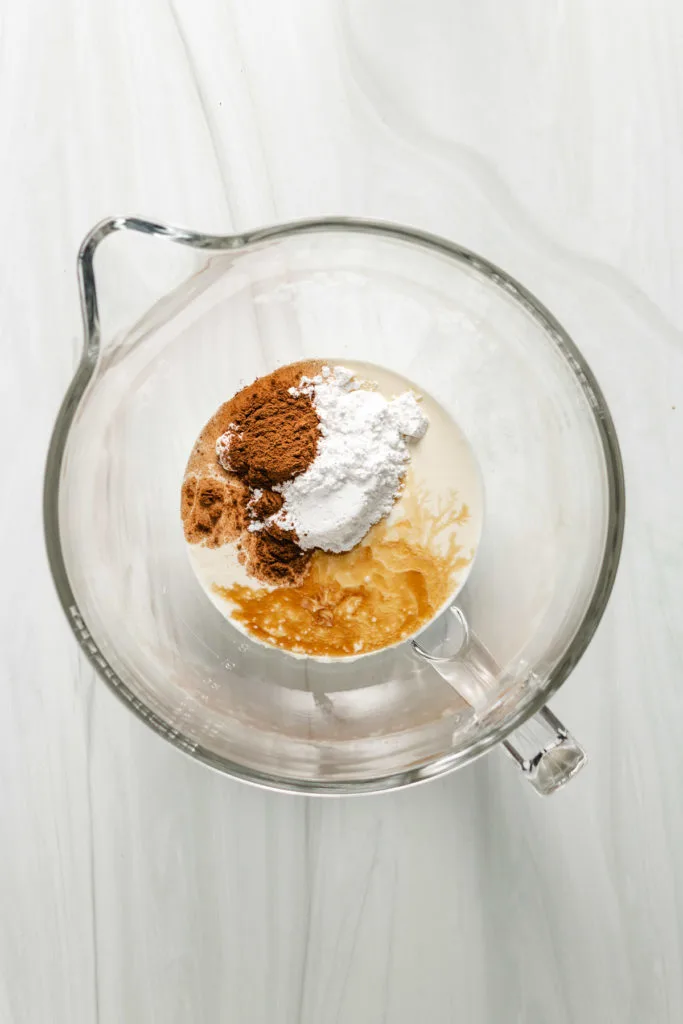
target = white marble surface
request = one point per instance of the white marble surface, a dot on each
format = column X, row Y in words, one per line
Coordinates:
column 136, row 886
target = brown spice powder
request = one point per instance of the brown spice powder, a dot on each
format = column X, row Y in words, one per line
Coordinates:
column 275, row 555
column 267, row 504
column 273, row 434
column 213, row 509
column 273, row 437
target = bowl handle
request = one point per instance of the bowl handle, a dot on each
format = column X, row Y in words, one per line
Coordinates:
column 545, row 751
column 132, row 270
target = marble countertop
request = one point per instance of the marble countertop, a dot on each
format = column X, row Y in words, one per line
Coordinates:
column 135, row 885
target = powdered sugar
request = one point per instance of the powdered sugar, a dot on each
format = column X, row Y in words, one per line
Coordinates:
column 412, row 421
column 353, row 481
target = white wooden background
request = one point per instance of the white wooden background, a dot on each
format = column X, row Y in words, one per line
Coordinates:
column 135, row 886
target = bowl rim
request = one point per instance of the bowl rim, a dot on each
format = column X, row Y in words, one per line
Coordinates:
column 585, row 378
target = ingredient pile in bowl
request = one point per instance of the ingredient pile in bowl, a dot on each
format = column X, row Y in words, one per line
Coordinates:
column 316, row 516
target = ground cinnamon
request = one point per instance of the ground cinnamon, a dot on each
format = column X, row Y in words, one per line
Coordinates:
column 273, row 434
column 264, row 504
column 270, row 437
column 213, row 510
column 274, row 556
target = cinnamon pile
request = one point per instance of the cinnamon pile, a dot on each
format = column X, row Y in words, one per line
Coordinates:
column 267, row 437
column 273, row 435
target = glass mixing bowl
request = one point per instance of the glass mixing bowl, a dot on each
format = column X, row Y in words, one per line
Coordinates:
column 229, row 309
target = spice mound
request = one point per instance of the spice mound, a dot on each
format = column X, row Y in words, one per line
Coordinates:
column 295, row 506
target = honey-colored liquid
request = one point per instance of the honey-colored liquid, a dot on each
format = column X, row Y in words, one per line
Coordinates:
column 381, row 592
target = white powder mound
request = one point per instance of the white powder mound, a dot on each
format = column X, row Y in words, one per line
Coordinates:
column 353, row 481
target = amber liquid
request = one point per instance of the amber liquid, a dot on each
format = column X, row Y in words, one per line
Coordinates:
column 376, row 595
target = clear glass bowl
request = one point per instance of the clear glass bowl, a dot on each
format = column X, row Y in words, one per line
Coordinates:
column 458, row 327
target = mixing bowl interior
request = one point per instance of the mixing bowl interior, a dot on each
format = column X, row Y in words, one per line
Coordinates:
column 459, row 330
